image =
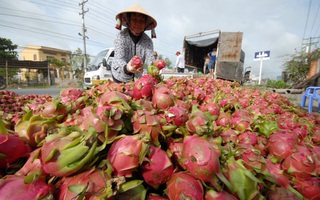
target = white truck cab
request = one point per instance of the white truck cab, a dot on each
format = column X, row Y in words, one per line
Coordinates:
column 99, row 68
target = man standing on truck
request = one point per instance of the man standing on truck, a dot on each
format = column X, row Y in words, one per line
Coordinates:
column 212, row 55
column 132, row 41
column 180, row 64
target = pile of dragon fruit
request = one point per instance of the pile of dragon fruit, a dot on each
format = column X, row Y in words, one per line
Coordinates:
column 183, row 138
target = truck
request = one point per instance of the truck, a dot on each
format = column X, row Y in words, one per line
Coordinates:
column 230, row 56
column 99, row 69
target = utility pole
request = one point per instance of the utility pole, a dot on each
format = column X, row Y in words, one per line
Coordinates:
column 309, row 43
column 84, row 37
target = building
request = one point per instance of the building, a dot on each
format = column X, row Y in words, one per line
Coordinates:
column 42, row 53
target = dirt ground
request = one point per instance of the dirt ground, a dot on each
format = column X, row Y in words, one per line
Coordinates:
column 296, row 99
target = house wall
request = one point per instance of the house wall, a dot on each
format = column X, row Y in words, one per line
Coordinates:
column 314, row 68
column 40, row 53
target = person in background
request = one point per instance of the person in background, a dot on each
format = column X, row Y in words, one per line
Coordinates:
column 212, row 55
column 180, row 63
column 132, row 41
column 206, row 63
column 155, row 54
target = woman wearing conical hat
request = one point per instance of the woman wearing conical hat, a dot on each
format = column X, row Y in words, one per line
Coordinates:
column 131, row 41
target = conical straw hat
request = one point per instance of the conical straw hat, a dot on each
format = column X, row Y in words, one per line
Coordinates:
column 151, row 23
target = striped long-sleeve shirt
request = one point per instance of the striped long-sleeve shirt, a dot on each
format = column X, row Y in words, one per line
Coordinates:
column 125, row 49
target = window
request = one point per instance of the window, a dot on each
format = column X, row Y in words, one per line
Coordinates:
column 35, row 57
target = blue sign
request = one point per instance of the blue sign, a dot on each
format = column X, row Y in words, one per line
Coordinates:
column 262, row 55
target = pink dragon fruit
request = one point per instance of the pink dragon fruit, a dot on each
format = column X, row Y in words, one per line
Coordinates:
column 22, row 187
column 136, row 62
column 143, row 87
column 33, row 128
column 183, row 185
column 146, row 122
column 117, row 99
column 276, row 193
column 160, row 64
column 162, row 98
column 11, row 147
column 158, row 169
column 33, row 165
column 309, row 187
column 273, row 173
column 280, row 145
column 237, row 173
column 53, row 109
column 74, row 98
column 198, row 122
column 126, row 154
column 301, row 164
column 90, row 184
column 177, row 115
column 211, row 107
column 201, row 159
column 68, row 151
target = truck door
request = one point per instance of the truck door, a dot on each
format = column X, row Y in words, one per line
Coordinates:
column 230, row 57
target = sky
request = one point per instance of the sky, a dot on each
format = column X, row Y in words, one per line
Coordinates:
column 282, row 27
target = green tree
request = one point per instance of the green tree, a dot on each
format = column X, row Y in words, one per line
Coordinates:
column 298, row 66
column 76, row 60
column 8, row 49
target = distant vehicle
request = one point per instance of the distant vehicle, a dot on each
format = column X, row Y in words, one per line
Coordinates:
column 230, row 56
column 99, row 69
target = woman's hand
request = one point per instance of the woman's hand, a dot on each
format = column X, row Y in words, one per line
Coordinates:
column 133, row 69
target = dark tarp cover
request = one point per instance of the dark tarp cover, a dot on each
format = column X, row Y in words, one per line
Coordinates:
column 202, row 43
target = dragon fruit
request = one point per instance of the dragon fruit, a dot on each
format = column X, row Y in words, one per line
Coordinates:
column 183, row 185
column 146, row 122
column 273, row 173
column 23, row 187
column 237, row 173
column 136, row 62
column 33, row 128
column 198, row 122
column 177, row 115
column 160, row 64
column 143, row 87
column 276, row 193
column 67, row 151
column 33, row 164
column 158, row 168
column 162, row 98
column 132, row 189
column 201, row 159
column 280, row 145
column 117, row 99
column 127, row 153
column 11, row 147
column 90, row 184
column 309, row 187
column 301, row 164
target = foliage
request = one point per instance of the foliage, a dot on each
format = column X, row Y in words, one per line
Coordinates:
column 297, row 67
column 279, row 84
column 7, row 49
column 56, row 62
column 77, row 59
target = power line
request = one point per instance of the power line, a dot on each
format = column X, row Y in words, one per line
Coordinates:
column 305, row 28
column 315, row 18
